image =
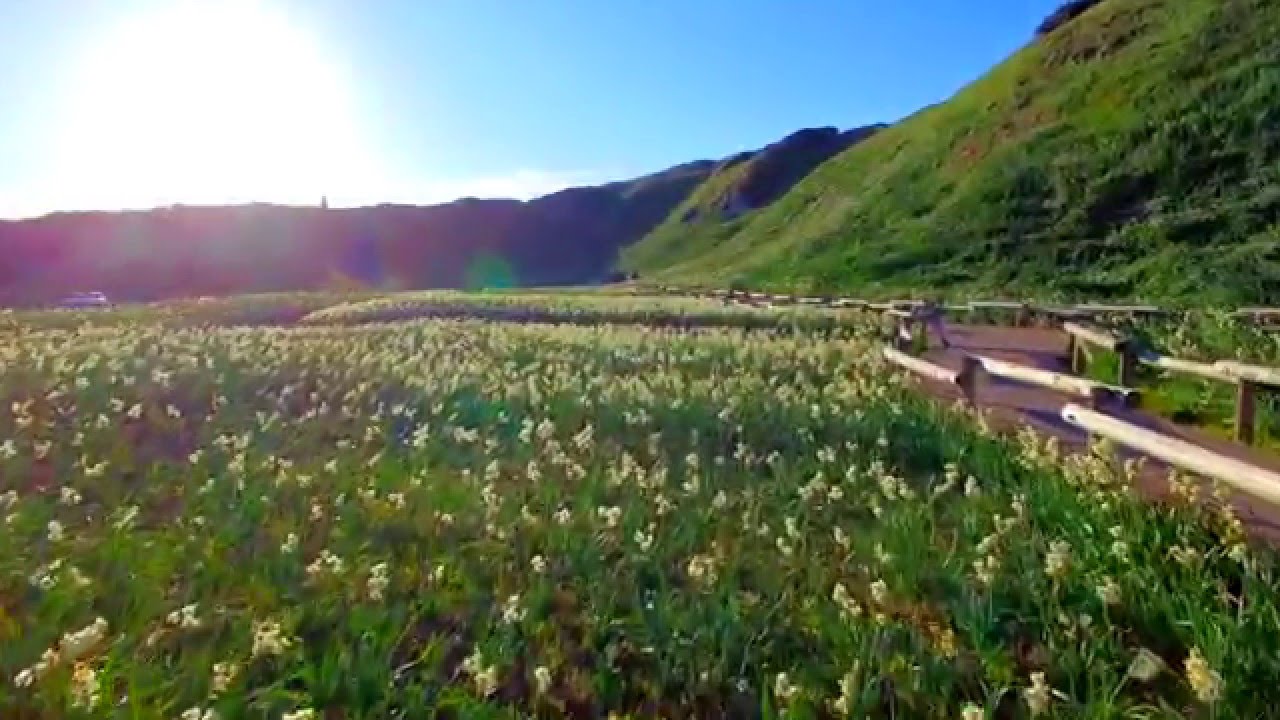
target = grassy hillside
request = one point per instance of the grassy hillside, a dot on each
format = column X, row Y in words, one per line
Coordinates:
column 738, row 185
column 1133, row 151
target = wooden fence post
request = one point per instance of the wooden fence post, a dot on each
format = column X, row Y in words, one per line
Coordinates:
column 902, row 335
column 1023, row 318
column 1246, row 393
column 1128, row 364
column 1075, row 350
column 968, row 378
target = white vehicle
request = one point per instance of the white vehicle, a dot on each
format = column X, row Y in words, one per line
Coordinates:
column 85, row 300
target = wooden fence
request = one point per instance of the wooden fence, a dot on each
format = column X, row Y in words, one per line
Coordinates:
column 1249, row 380
column 1023, row 311
column 1245, row 477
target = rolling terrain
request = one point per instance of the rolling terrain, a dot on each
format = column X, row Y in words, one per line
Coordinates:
column 1129, row 150
column 566, row 237
column 570, row 237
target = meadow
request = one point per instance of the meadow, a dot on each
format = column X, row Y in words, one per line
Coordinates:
column 354, row 517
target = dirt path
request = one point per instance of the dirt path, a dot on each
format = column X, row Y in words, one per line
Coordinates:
column 1009, row 405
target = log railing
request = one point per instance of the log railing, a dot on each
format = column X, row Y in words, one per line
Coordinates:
column 1248, row 379
column 1245, row 477
column 1083, row 311
column 1081, row 337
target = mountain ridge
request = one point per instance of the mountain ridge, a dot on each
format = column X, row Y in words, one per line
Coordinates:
column 1130, row 150
column 569, row 237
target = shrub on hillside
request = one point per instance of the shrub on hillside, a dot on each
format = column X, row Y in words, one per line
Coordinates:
column 1063, row 15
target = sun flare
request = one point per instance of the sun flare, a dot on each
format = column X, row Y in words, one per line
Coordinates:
column 207, row 102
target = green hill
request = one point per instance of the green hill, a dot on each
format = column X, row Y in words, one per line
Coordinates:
column 1131, row 151
column 739, row 185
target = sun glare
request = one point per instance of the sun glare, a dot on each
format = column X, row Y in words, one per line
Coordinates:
column 207, row 102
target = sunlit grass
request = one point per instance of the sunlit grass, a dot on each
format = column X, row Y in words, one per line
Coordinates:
column 488, row 518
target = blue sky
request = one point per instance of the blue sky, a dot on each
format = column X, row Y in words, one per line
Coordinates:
column 424, row 100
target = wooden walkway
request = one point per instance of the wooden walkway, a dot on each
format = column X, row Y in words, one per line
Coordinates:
column 1009, row 405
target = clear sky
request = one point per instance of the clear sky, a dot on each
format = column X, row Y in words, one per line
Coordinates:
column 134, row 103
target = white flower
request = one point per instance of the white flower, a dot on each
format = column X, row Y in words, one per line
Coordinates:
column 75, row 645
column 511, row 611
column 611, row 515
column 538, row 564
column 783, row 689
column 1039, row 695
column 1057, row 561
column 326, row 562
column 848, row 605
column 268, row 639
column 880, row 592
column 1109, row 592
column 379, row 579
column 223, row 674
column 542, row 679
column 1205, row 682
column 701, row 568
column 1145, row 666
column 25, row 678
column 184, row 617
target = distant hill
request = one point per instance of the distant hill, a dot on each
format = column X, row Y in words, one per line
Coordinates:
column 1131, row 149
column 568, row 237
column 571, row 237
column 737, row 186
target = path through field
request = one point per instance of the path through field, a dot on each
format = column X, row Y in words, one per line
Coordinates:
column 1010, row 404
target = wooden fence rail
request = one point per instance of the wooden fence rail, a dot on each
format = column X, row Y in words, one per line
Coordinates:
column 1248, row 379
column 1079, row 337
column 1082, row 311
column 1249, row 479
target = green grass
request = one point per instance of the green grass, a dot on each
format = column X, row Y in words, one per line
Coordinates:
column 483, row 519
column 238, row 310
column 1132, row 153
column 584, row 309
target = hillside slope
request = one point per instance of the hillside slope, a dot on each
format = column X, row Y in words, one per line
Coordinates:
column 568, row 237
column 739, row 185
column 1132, row 151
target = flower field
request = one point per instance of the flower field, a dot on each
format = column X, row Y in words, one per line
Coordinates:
column 466, row 518
column 580, row 309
